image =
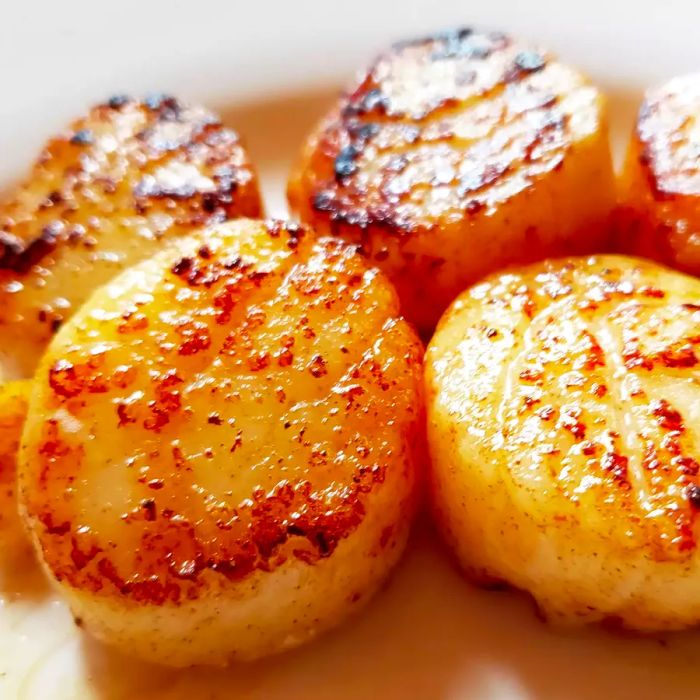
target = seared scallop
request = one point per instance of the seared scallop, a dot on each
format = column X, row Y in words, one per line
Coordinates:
column 660, row 184
column 455, row 155
column 221, row 447
column 563, row 408
column 109, row 191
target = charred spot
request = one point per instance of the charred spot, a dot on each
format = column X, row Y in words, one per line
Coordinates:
column 107, row 569
column 285, row 357
column 148, row 508
column 668, row 417
column 68, row 380
column 167, row 401
column 156, row 101
column 124, row 415
column 652, row 292
column 599, row 390
column 238, row 567
column 258, row 361
column 473, row 206
column 118, row 101
column 81, row 558
column 53, row 199
column 324, row 201
column 20, row 256
column 569, row 420
column 683, row 356
column 52, row 528
column 588, row 448
column 214, row 419
column 237, row 441
column 529, row 61
column 195, row 337
column 82, row 137
column 123, row 376
column 616, row 464
column 11, row 247
column 686, row 465
column 182, row 266
column 459, row 43
column 363, row 132
column 132, row 322
column 365, row 102
column 53, row 445
column 317, row 366
column 294, row 231
column 344, row 165
column 593, row 355
column 324, row 547
column 692, row 493
column 633, row 356
column 464, row 43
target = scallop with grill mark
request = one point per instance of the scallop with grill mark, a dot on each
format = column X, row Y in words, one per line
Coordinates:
column 456, row 155
column 111, row 190
column 564, row 427
column 660, row 185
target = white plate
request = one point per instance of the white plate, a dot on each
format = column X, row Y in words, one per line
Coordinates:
column 271, row 69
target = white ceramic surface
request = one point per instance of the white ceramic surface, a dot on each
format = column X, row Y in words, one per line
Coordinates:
column 271, row 68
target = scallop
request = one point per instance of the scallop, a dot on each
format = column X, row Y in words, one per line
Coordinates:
column 563, row 404
column 455, row 155
column 221, row 447
column 111, row 190
column 660, row 184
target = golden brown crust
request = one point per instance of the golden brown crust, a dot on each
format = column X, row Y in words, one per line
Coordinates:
column 259, row 389
column 659, row 216
column 14, row 397
column 392, row 139
column 596, row 401
column 438, row 135
column 106, row 193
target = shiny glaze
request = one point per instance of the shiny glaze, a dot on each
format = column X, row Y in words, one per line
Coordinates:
column 104, row 194
column 438, row 136
column 14, row 397
column 239, row 403
column 574, row 387
column 660, row 185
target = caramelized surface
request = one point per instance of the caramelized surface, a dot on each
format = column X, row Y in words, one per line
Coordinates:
column 564, row 421
column 457, row 154
column 106, row 193
column 14, row 397
column 660, row 185
column 240, row 404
